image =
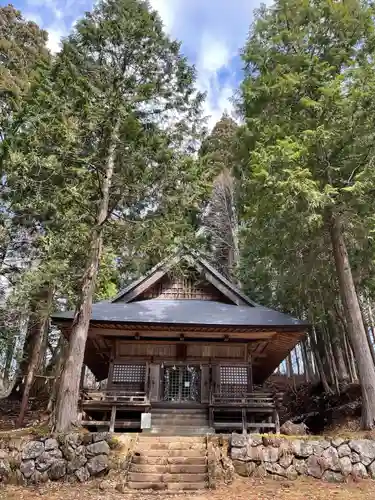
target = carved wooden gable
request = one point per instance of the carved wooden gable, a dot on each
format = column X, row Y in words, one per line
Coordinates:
column 183, row 288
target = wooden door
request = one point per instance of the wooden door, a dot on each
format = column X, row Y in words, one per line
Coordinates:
column 154, row 382
column 205, row 383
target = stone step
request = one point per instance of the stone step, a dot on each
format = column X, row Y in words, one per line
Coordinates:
column 169, row 453
column 140, row 477
column 170, row 445
column 169, row 468
column 171, row 439
column 167, row 486
column 146, row 459
column 187, row 486
column 180, row 430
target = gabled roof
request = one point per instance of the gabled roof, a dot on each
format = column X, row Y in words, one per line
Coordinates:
column 189, row 312
column 239, row 312
column 194, row 260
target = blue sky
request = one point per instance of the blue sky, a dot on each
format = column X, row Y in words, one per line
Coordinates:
column 212, row 33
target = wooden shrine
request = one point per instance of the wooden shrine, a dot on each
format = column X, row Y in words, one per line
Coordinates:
column 182, row 341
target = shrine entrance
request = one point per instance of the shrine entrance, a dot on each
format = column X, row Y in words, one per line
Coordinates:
column 182, row 383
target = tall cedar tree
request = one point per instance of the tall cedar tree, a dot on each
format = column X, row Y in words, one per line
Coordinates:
column 109, row 137
column 308, row 99
column 220, row 222
column 24, row 58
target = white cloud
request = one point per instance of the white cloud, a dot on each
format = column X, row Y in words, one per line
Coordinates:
column 33, row 16
column 168, row 10
column 211, row 31
column 55, row 34
column 214, row 53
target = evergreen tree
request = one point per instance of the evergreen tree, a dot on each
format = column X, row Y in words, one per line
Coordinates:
column 220, row 221
column 308, row 102
column 109, row 139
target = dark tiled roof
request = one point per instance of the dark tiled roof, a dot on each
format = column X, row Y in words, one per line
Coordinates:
column 185, row 312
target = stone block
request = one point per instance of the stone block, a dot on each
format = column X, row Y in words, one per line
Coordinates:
column 82, row 474
column 97, row 464
column 365, row 449
column 32, row 450
column 274, row 468
column 239, row 440
column 300, row 466
column 260, row 472
column 57, row 470
column 51, row 444
column 46, row 459
column 263, row 453
column 27, row 468
column 355, row 458
column 337, row 442
column 344, row 451
column 291, row 473
column 5, row 469
column 319, row 446
column 371, row 470
column 254, row 440
column 244, row 469
column 286, row 460
column 345, row 466
column 38, row 477
column 331, row 459
column 314, row 468
column 98, row 448
column 359, row 471
column 77, row 463
column 101, row 436
column 291, row 429
column 333, row 477
column 239, row 454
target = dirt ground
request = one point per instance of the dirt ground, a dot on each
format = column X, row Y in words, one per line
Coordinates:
column 241, row 489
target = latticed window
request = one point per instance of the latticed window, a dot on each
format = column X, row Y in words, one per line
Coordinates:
column 182, row 383
column 233, row 380
column 129, row 377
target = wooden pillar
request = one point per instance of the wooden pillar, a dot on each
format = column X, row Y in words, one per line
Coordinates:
column 82, row 380
column 250, row 373
column 113, row 419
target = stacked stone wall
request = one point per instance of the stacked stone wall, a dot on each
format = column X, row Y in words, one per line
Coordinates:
column 74, row 456
column 333, row 460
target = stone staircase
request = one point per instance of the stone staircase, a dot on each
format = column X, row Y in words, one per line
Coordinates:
column 169, row 463
column 180, row 422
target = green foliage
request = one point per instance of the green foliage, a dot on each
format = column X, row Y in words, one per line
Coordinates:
column 308, row 103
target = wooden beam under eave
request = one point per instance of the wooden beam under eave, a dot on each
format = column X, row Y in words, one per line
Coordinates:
column 187, row 335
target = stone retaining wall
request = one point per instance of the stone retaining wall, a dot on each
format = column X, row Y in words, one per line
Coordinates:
column 332, row 460
column 75, row 456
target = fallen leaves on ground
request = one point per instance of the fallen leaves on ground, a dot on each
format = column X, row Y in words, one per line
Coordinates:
column 241, row 489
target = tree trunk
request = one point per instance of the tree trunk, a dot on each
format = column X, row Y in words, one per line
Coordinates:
column 43, row 323
column 371, row 320
column 342, row 369
column 349, row 358
column 68, row 394
column 27, row 349
column 56, row 370
column 9, row 359
column 289, row 366
column 319, row 363
column 356, row 330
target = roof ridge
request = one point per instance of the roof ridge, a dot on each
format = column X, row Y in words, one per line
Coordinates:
column 213, row 275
